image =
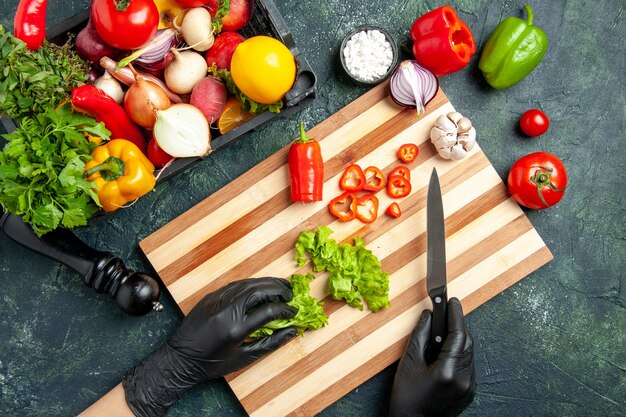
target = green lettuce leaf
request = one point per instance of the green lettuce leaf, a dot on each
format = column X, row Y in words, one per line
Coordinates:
column 355, row 272
column 310, row 315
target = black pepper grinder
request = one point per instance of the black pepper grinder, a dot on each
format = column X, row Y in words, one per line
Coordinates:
column 136, row 293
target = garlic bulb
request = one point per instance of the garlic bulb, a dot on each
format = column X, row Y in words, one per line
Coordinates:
column 453, row 136
column 182, row 131
column 110, row 86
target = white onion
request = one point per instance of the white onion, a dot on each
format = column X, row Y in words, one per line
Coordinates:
column 412, row 85
column 182, row 131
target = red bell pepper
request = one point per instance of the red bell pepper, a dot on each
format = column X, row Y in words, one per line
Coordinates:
column 103, row 108
column 306, row 169
column 442, row 42
column 394, row 210
column 353, row 179
column 344, row 206
column 401, row 171
column 408, row 152
column 367, row 208
column 398, row 187
column 374, row 179
column 29, row 24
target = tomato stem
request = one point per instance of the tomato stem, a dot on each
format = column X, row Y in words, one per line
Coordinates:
column 541, row 178
column 122, row 5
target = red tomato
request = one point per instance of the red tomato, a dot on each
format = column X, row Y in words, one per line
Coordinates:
column 534, row 122
column 156, row 155
column 127, row 29
column 537, row 180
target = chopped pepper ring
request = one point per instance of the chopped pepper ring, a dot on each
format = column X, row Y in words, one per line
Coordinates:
column 398, row 187
column 353, row 179
column 374, row 179
column 344, row 206
column 367, row 208
column 401, row 171
column 408, row 152
column 394, row 210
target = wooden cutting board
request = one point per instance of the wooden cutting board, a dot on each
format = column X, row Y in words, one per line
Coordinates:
column 248, row 229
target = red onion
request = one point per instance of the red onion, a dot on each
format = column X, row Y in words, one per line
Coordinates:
column 157, row 53
column 412, row 85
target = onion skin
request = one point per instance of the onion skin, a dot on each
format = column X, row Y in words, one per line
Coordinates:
column 126, row 76
column 142, row 97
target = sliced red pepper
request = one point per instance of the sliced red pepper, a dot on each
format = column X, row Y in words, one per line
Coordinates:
column 353, row 179
column 408, row 152
column 394, row 210
column 344, row 206
column 398, row 187
column 401, row 171
column 367, row 208
column 374, row 179
column 442, row 42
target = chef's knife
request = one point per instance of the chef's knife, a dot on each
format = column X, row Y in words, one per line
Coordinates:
column 436, row 264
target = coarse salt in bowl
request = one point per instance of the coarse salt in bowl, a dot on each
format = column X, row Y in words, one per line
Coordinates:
column 368, row 54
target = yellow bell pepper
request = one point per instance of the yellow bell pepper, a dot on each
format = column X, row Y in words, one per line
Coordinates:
column 120, row 172
column 168, row 10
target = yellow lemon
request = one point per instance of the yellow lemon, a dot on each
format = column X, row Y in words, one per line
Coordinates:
column 263, row 68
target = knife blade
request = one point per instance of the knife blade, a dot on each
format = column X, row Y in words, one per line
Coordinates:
column 436, row 280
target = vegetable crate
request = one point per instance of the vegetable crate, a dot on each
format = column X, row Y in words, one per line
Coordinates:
column 266, row 20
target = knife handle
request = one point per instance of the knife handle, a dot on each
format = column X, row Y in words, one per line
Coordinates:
column 439, row 327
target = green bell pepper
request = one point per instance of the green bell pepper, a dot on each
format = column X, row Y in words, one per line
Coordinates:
column 512, row 51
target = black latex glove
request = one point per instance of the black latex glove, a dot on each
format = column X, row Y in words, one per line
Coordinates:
column 442, row 388
column 209, row 343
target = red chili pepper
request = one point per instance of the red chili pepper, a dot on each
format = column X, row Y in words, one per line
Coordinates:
column 374, row 179
column 29, row 23
column 398, row 187
column 401, row 171
column 353, row 179
column 367, row 208
column 104, row 109
column 306, row 169
column 344, row 206
column 442, row 42
column 394, row 210
column 408, row 152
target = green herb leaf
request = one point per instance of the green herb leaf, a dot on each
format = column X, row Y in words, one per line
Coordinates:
column 223, row 7
column 31, row 81
column 42, row 169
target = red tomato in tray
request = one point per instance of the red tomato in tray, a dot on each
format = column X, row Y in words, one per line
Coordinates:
column 534, row 122
column 537, row 180
column 156, row 155
column 130, row 28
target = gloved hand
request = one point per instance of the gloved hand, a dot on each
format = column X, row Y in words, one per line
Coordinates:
column 442, row 388
column 209, row 343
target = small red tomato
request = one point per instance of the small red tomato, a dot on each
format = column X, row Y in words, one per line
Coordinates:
column 156, row 155
column 537, row 180
column 534, row 122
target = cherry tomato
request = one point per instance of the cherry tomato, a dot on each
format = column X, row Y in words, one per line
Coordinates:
column 534, row 122
column 156, row 155
column 128, row 28
column 537, row 180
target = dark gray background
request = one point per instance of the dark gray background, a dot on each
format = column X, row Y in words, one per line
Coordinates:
column 551, row 345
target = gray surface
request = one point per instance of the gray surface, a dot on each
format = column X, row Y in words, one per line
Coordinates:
column 552, row 345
